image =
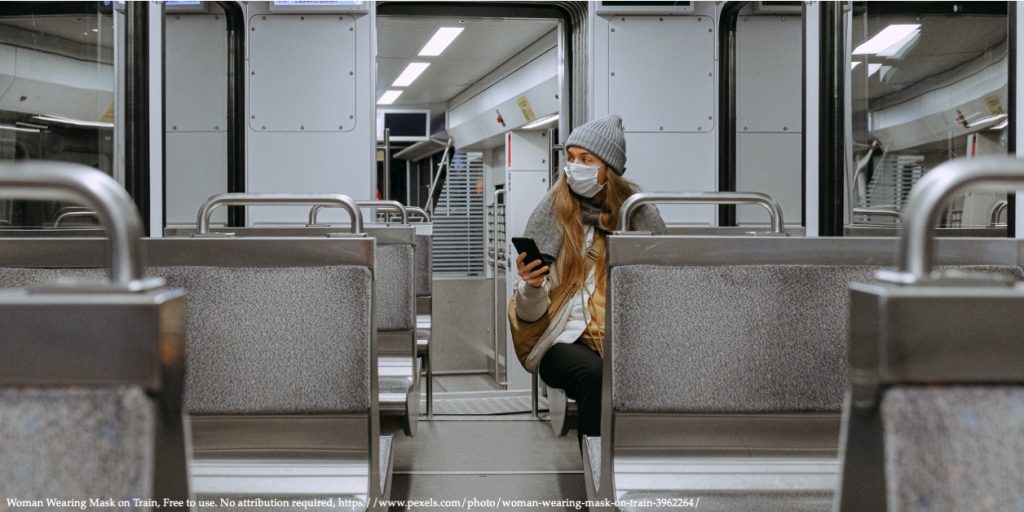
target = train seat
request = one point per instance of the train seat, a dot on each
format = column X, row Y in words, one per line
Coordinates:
column 272, row 389
column 741, row 403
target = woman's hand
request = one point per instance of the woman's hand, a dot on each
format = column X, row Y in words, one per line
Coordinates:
column 532, row 274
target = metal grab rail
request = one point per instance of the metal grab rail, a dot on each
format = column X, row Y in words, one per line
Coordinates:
column 240, row 199
column 636, row 200
column 73, row 214
column 876, row 211
column 393, row 206
column 435, row 176
column 419, row 212
column 1000, row 208
column 114, row 208
column 926, row 200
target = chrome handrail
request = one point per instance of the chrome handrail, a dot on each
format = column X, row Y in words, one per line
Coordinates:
column 393, row 206
column 997, row 211
column 927, row 199
column 241, row 199
column 73, row 183
column 72, row 214
column 419, row 212
column 876, row 211
column 636, row 200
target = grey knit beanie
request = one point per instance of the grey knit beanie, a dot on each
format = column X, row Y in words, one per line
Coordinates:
column 605, row 138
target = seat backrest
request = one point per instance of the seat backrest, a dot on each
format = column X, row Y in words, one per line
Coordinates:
column 738, row 325
column 730, row 339
column 280, row 326
column 424, row 265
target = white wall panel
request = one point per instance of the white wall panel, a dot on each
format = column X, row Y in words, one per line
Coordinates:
column 769, row 163
column 196, row 169
column 196, row 114
column 665, row 162
column 302, row 73
column 661, row 72
column 768, row 73
column 294, row 160
column 768, row 113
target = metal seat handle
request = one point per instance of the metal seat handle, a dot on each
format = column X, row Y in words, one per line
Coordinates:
column 385, row 205
column 418, row 212
column 240, row 199
column 633, row 203
column 73, row 183
column 930, row 195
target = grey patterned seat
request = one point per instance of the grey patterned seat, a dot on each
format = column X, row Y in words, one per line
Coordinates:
column 725, row 368
column 935, row 419
column 394, row 308
column 281, row 380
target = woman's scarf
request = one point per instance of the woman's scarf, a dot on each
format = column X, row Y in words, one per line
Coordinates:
column 543, row 225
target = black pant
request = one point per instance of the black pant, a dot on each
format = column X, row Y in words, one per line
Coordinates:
column 576, row 368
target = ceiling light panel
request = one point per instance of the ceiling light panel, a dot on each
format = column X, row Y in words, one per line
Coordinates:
column 389, row 97
column 411, row 73
column 441, row 39
column 890, row 40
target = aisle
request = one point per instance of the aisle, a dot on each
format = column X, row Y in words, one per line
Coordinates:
column 491, row 458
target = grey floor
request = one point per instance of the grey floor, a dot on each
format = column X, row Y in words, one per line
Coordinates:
column 484, row 457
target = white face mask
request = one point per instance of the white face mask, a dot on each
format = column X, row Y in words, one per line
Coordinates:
column 583, row 179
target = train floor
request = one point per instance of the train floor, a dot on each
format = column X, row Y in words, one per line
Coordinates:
column 488, row 458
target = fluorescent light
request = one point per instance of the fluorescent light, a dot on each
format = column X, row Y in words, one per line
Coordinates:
column 873, row 68
column 541, row 122
column 389, row 97
column 73, row 122
column 987, row 119
column 897, row 49
column 1001, row 125
column 890, row 40
column 411, row 73
column 30, row 125
column 854, row 65
column 441, row 39
column 17, row 129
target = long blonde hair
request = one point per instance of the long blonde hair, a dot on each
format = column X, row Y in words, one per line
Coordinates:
column 571, row 263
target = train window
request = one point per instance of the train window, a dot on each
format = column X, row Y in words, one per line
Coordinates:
column 929, row 83
column 56, row 94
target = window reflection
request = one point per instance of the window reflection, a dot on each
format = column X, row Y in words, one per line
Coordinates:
column 56, row 98
column 927, row 87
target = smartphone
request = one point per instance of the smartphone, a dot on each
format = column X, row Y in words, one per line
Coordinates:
column 528, row 246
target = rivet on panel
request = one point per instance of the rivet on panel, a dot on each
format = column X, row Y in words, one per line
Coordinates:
column 613, row 29
column 785, row 128
column 710, row 118
column 302, row 127
column 177, row 17
column 350, row 73
column 613, row 73
column 661, row 19
column 264, row 127
column 253, row 29
column 174, row 127
column 351, row 29
column 351, row 117
column 302, row 18
column 252, row 72
column 745, row 128
column 253, row 117
column 216, row 127
column 699, row 128
column 662, row 128
column 216, row 17
column 711, row 30
column 341, row 127
column 264, row 18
